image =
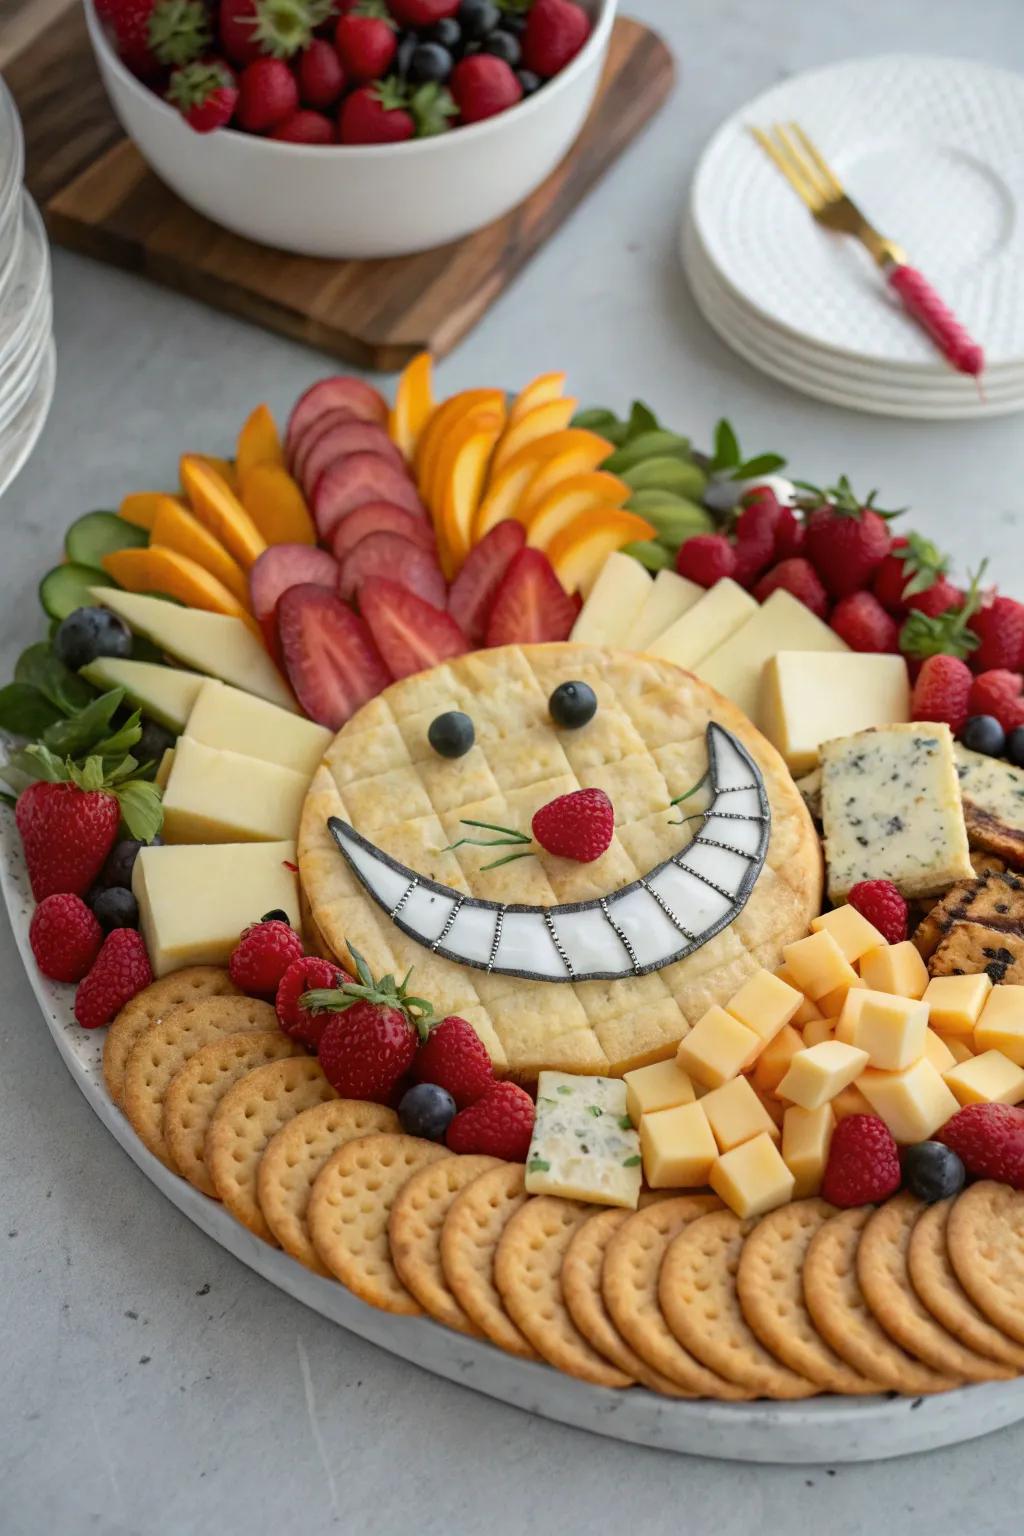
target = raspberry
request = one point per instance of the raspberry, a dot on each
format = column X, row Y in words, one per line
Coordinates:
column 706, row 558
column 998, row 693
column 798, row 578
column 942, row 691
column 881, row 903
column 304, row 975
column 262, row 955
column 999, row 626
column 577, row 826
column 499, row 1124
column 454, row 1057
column 65, row 937
column 989, row 1138
column 863, row 623
column 121, row 970
column 863, row 1162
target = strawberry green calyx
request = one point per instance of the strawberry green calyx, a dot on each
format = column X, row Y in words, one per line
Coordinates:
column 194, row 84
column 140, row 800
column 922, row 563
column 284, row 27
column 843, row 499
column 179, row 31
column 382, row 993
column 431, row 106
column 392, row 93
column 947, row 634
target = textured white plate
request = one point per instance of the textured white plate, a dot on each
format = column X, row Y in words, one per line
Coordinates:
column 20, row 435
column 933, row 150
column 828, row 1431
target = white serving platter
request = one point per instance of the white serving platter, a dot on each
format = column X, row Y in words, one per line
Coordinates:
column 825, row 1431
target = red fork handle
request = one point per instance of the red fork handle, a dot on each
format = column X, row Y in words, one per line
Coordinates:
column 920, row 300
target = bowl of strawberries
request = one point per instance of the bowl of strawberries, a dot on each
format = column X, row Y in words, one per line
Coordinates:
column 351, row 128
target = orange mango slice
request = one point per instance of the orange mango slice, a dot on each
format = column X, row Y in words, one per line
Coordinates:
column 414, row 404
column 579, row 551
column 463, row 471
column 577, row 457
column 258, row 443
column 545, row 387
column 561, row 506
column 141, row 507
column 277, row 506
column 165, row 570
column 175, row 528
column 554, row 416
column 219, row 510
column 429, row 446
column 223, row 468
column 442, row 459
column 505, row 493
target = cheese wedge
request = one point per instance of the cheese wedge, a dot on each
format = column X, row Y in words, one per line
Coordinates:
column 668, row 598
column 722, row 610
column 614, row 601
column 239, row 722
column 811, row 696
column 214, row 796
column 780, row 624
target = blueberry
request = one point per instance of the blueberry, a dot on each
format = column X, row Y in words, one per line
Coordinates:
column 426, row 1111
column 572, row 705
column 88, row 633
column 1015, row 746
column 983, row 733
column 117, row 871
column 153, row 743
column 477, row 18
column 529, row 81
column 430, row 63
column 116, row 907
column 504, row 46
column 932, row 1171
column 451, row 734
column 447, row 32
column 408, row 44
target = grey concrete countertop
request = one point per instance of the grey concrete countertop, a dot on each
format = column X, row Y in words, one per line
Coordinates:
column 151, row 1384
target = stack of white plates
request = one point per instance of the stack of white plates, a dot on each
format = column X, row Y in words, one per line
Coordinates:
column 932, row 150
column 27, row 357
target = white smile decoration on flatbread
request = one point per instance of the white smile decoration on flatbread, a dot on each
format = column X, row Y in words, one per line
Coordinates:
column 653, row 922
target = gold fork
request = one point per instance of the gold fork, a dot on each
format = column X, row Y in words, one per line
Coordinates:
column 813, row 179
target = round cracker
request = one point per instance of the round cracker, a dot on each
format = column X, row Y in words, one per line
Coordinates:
column 769, row 1284
column 162, row 1049
column 252, row 1111
column 629, row 1284
column 150, row 1005
column 986, row 1246
column 842, row 1316
column 885, row 1281
column 581, row 1288
column 697, row 1292
column 349, row 1209
column 527, row 1272
column 469, row 1238
column 414, row 1232
column 934, row 1279
column 194, row 1093
column 294, row 1157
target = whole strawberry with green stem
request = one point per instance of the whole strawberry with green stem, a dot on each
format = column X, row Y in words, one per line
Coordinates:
column 151, row 35
column 914, row 575
column 846, row 538
column 276, row 29
column 372, row 1032
column 205, row 94
column 944, row 634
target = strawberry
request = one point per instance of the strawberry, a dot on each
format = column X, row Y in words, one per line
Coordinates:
column 369, row 1040
column 254, row 29
column 555, row 32
column 329, row 654
column 262, row 955
column 863, row 623
column 755, row 537
column 499, row 1124
column 149, row 35
column 706, row 558
column 65, row 937
column 989, row 1139
column 999, row 626
column 376, row 114
column 912, row 568
column 846, row 540
column 366, row 42
column 305, row 127
column 267, row 95
column 863, row 1165
column 576, row 826
column 422, row 13
column 531, row 605
column 881, row 903
column 320, row 75
column 998, row 693
column 797, row 577
column 411, row 634
column 942, row 691
column 483, row 86
column 120, row 971
column 789, row 534
column 205, row 94
column 475, row 587
column 303, row 975
column 455, row 1058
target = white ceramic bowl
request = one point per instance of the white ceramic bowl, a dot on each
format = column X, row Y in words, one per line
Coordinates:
column 361, row 200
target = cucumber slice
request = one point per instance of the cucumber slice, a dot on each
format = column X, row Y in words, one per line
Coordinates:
column 68, row 587
column 648, row 445
column 98, row 534
column 666, row 474
column 653, row 557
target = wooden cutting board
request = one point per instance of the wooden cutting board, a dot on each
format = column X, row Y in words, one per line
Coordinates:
column 99, row 197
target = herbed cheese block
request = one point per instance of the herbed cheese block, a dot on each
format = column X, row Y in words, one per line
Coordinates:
column 584, row 1146
column 891, row 808
column 781, row 623
column 224, row 797
column 722, row 610
column 238, row 722
column 614, row 601
column 808, row 697
column 993, row 798
column 670, row 596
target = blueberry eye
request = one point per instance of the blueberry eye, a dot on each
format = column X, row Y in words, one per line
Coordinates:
column 572, row 705
column 451, row 734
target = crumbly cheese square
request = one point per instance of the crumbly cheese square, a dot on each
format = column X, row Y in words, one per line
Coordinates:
column 584, row 1146
column 891, row 808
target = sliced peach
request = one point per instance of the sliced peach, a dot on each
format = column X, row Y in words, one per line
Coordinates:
column 464, row 471
column 579, row 551
column 545, row 387
column 219, row 510
column 277, row 506
column 414, row 404
column 258, row 442
column 568, row 500
column 437, row 467
column 576, row 458
column 443, row 417
column 175, row 528
column 506, row 490
column 554, row 416
column 223, row 468
column 165, row 570
column 141, row 507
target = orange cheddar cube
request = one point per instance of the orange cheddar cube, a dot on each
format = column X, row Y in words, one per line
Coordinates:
column 1001, row 1025
column 990, row 1078
column 959, row 1046
column 833, row 1003
column 807, row 1010
column 818, row 965
column 806, row 1138
column 851, row 931
column 660, row 1086
column 895, row 968
column 773, row 1063
column 891, row 1029
column 817, row 1073
column 678, row 1147
column 850, row 1101
column 913, row 1103
column 937, row 1051
column 736, row 1114
column 818, row 1030
column 955, row 1003
column 752, row 1178
column 717, row 1048
column 765, row 1004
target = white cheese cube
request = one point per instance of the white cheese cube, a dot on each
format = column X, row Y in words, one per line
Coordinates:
column 584, row 1146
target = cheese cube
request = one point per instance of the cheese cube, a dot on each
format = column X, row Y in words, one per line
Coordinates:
column 781, row 623
column 850, row 1101
column 614, row 601
column 818, row 1030
column 895, row 968
column 807, row 1010
column 809, row 698
column 851, row 931
column 764, row 1004
column 736, row 1114
column 817, row 1073
column 806, row 1138
column 711, row 620
column 834, row 1002
column 960, row 1046
column 913, row 1103
column 717, row 1048
column 847, row 1020
column 660, row 1086
column 234, row 721
column 668, row 598
column 818, row 965
column 583, row 1146
column 891, row 1030
column 773, row 1107
column 938, row 1052
column 678, row 1147
column 955, row 1003
column 773, row 1062
column 223, row 797
column 1001, row 1025
column 752, row 1178
column 990, row 1078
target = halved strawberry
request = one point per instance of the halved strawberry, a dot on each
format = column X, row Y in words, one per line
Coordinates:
column 353, row 481
column 329, row 655
column 532, row 606
column 280, row 567
column 410, row 634
column 475, row 587
column 389, row 554
column 337, row 442
column 381, row 517
column 325, row 395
